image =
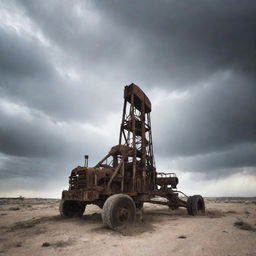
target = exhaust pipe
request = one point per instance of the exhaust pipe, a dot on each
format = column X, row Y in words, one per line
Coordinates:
column 86, row 157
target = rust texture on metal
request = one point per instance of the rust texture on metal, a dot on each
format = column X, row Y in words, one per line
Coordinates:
column 129, row 167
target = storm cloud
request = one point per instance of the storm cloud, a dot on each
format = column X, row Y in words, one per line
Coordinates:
column 63, row 66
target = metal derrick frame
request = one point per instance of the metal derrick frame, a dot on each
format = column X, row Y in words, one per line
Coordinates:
column 136, row 133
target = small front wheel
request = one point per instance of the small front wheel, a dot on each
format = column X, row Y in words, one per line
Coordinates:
column 118, row 210
column 69, row 208
column 195, row 205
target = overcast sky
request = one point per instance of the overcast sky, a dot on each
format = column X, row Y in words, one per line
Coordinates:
column 63, row 66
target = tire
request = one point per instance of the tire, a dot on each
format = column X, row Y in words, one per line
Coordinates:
column 118, row 210
column 195, row 205
column 139, row 205
column 189, row 205
column 71, row 209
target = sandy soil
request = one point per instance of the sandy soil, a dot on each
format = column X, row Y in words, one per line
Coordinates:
column 34, row 227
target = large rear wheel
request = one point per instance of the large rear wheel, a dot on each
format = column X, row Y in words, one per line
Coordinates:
column 71, row 209
column 118, row 210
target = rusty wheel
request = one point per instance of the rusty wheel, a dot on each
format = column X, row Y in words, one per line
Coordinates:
column 195, row 205
column 118, row 210
column 71, row 208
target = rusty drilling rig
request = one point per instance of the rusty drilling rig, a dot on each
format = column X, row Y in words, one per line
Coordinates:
column 126, row 177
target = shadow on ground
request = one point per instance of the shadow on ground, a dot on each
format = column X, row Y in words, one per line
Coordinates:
column 147, row 223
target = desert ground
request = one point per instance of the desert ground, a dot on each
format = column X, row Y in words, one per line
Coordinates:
column 34, row 227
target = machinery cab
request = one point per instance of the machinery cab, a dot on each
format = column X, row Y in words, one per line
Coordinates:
column 113, row 174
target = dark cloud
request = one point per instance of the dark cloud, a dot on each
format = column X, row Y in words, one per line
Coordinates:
column 30, row 76
column 220, row 164
column 22, row 57
column 79, row 28
column 25, row 135
column 186, row 41
column 212, row 118
column 63, row 66
column 172, row 43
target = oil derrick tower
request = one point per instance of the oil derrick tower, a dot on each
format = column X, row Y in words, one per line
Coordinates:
column 135, row 132
column 126, row 177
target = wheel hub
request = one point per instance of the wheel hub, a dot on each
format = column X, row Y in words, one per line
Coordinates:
column 123, row 214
